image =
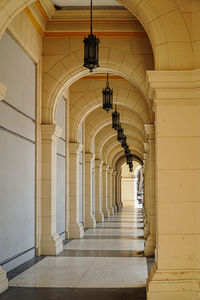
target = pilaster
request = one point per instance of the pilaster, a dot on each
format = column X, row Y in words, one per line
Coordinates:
column 75, row 227
column 109, row 184
column 89, row 219
column 150, row 243
column 105, row 191
column 98, row 191
column 3, row 276
column 114, row 191
column 176, row 97
column 51, row 242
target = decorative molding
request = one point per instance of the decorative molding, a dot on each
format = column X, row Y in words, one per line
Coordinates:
column 34, row 21
column 135, row 34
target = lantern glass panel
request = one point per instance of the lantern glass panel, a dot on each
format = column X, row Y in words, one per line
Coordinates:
column 120, row 133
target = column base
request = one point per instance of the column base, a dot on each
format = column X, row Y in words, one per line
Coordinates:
column 90, row 222
column 51, row 244
column 99, row 217
column 106, row 213
column 111, row 210
column 149, row 246
column 146, row 230
column 171, row 285
column 3, row 280
column 76, row 231
column 115, row 208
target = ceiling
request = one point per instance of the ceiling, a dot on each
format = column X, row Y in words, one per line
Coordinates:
column 71, row 3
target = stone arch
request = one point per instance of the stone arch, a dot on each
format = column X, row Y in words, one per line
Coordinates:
column 113, row 143
column 169, row 31
column 9, row 9
column 108, row 132
column 96, row 121
column 120, row 155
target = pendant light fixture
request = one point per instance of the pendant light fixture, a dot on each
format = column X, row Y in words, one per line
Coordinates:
column 120, row 134
column 115, row 119
column 129, row 159
column 91, row 48
column 131, row 168
column 107, row 97
column 123, row 143
column 126, row 150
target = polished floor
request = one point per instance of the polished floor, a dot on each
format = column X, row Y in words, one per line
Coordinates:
column 107, row 264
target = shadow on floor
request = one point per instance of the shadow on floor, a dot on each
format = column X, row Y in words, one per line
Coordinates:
column 22, row 293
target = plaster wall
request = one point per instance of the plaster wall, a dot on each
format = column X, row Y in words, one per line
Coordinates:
column 17, row 152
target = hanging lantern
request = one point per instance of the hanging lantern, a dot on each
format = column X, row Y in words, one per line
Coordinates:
column 107, row 97
column 91, row 48
column 131, row 168
column 123, row 143
column 120, row 134
column 129, row 159
column 115, row 119
column 126, row 150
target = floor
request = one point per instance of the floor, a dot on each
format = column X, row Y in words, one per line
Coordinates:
column 107, row 264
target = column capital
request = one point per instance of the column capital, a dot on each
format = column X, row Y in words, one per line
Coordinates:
column 49, row 131
column 105, row 167
column 89, row 157
column 3, row 90
column 176, row 86
column 98, row 163
column 114, row 173
column 146, row 148
column 74, row 148
column 110, row 171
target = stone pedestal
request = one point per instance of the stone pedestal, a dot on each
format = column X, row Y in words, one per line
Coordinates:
column 3, row 280
column 104, row 191
column 109, row 189
column 176, row 274
column 150, row 244
column 51, row 242
column 75, row 227
column 98, row 191
column 114, row 191
column 89, row 219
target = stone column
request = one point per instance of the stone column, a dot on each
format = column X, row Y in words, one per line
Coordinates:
column 109, row 184
column 89, row 219
column 3, row 276
column 150, row 243
column 118, row 188
column 146, row 191
column 51, row 242
column 176, row 274
column 75, row 227
column 135, row 180
column 114, row 191
column 104, row 191
column 98, row 191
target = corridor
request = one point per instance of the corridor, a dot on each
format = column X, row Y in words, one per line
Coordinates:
column 109, row 258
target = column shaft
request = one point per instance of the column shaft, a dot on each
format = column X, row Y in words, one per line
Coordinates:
column 104, row 191
column 89, row 219
column 75, row 227
column 51, row 242
column 98, row 191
